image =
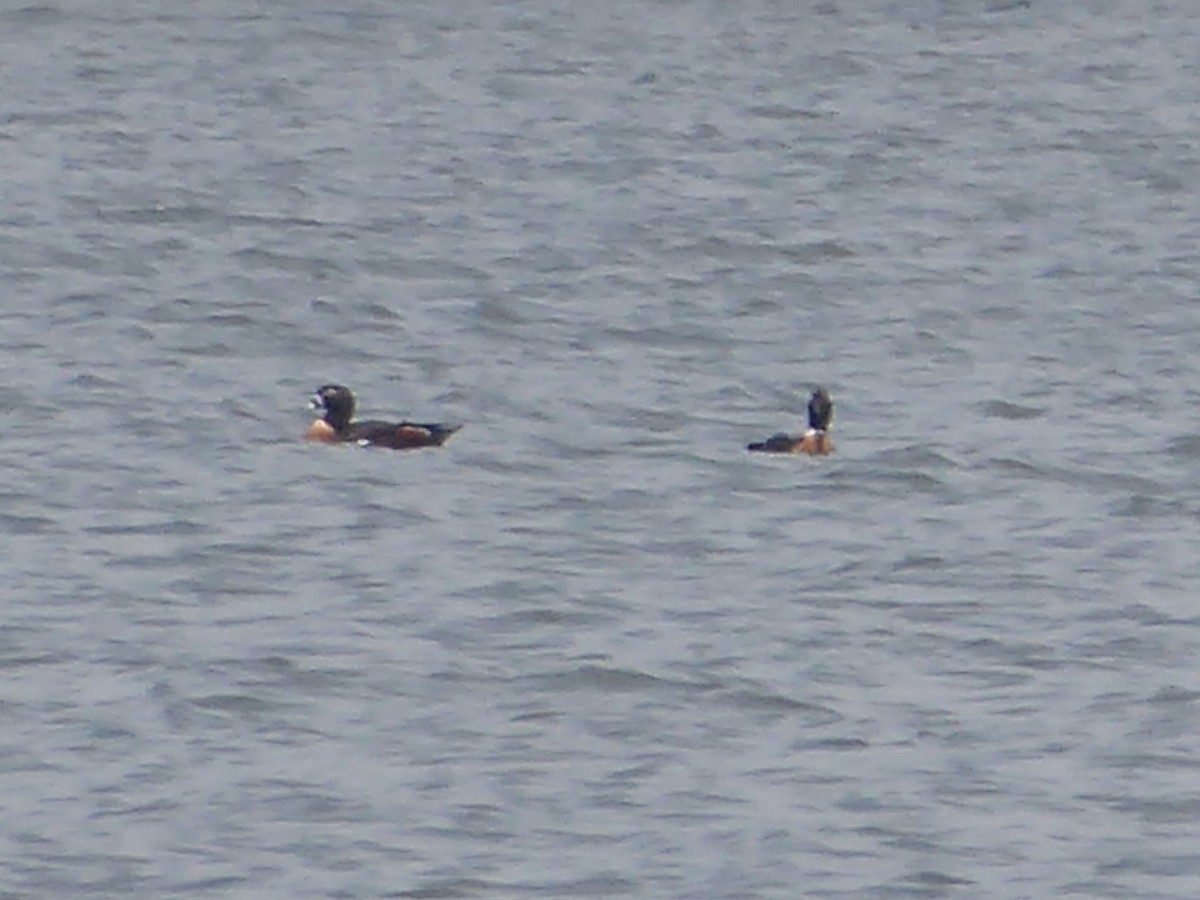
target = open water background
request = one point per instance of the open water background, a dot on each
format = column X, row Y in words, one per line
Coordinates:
column 592, row 648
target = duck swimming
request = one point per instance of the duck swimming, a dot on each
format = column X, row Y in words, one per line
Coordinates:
column 815, row 441
column 337, row 425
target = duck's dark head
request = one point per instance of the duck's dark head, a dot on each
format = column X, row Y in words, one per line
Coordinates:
column 337, row 402
column 820, row 410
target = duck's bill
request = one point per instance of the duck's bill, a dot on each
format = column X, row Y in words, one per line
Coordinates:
column 315, row 402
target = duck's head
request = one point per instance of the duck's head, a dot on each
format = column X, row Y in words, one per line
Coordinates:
column 337, row 402
column 820, row 410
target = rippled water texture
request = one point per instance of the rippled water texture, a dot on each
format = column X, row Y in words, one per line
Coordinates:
column 592, row 648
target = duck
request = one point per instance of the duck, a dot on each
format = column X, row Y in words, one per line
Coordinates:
column 337, row 425
column 815, row 441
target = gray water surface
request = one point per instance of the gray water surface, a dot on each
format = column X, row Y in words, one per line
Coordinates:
column 591, row 648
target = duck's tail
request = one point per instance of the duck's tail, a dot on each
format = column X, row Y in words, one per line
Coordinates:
column 440, row 432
